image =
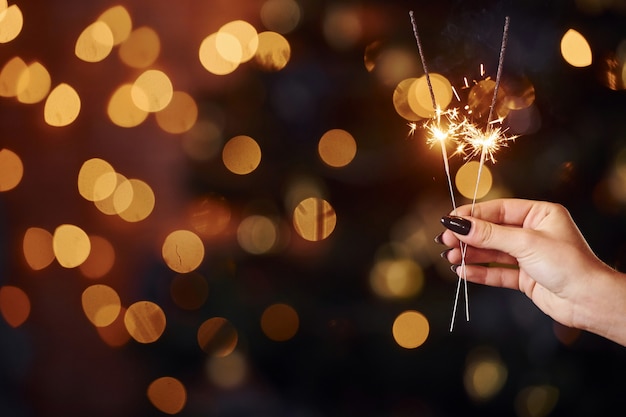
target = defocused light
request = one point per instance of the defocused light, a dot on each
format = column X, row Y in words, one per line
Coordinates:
column 342, row 27
column 520, row 93
column 410, row 329
column 183, row 251
column 466, row 177
column 314, row 219
column 246, row 36
column 480, row 98
column 485, row 374
column 227, row 372
column 71, row 245
column 209, row 215
column 217, row 337
column 280, row 322
column 575, row 49
column 62, row 106
column 100, row 260
column 420, row 99
column 281, row 16
column 94, row 43
column 101, row 304
column 212, row 60
column 167, row 394
column 115, row 334
column 180, row 114
column 145, row 321
column 119, row 21
column 141, row 201
column 337, row 148
column 141, row 49
column 396, row 278
column 257, row 234
column 33, row 84
column 10, row 76
column 401, row 100
column 152, row 91
column 106, row 205
column 11, row 23
column 14, row 305
column 96, row 179
column 203, row 141
column 122, row 110
column 37, row 246
column 189, row 291
column 536, row 401
column 273, row 52
column 11, row 170
column 241, row 155
column 390, row 65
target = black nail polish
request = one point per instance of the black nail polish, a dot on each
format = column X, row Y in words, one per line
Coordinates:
column 457, row 224
column 454, row 267
column 438, row 238
column 444, row 254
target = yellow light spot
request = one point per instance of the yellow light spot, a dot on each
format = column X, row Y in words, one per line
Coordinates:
column 183, row 251
column 180, row 114
column 465, row 180
column 101, row 304
column 33, row 84
column 119, row 21
column 337, row 148
column 152, row 91
column 14, row 305
column 274, row 52
column 241, row 155
column 281, row 16
column 115, row 334
column 100, row 260
column 485, row 374
column 257, row 234
column 280, row 322
column 396, row 278
column 10, row 75
column 410, row 329
column 96, row 179
column 536, row 401
column 3, row 5
column 122, row 110
column 94, row 43
column 62, row 106
column 107, row 205
column 168, row 395
column 575, row 49
column 37, row 247
column 145, row 321
column 134, row 200
column 189, row 291
column 227, row 372
column 419, row 97
column 209, row 215
column 212, row 60
column 141, row 49
column 401, row 100
column 11, row 23
column 342, row 27
column 11, row 170
column 314, row 219
column 244, row 34
column 71, row 245
column 217, row 337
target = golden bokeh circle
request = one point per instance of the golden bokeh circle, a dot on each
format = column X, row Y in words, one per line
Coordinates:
column 314, row 219
column 410, row 329
column 145, row 321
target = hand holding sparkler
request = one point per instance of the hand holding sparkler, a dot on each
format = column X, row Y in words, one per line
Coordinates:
column 537, row 248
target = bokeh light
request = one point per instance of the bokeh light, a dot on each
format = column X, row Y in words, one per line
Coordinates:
column 536, row 401
column 274, row 51
column 141, row 48
column 314, row 219
column 246, row 41
column 280, row 322
column 337, row 148
column 62, row 106
column 396, row 278
column 209, row 215
column 10, row 76
column 167, row 394
column 115, row 334
column 95, row 43
column 575, row 49
column 37, row 247
column 485, row 374
column 33, row 84
column 217, row 337
column 97, row 179
column 342, row 26
column 100, row 260
column 71, row 245
column 212, row 60
column 182, row 251
column 466, row 177
column 241, row 155
column 180, row 114
column 410, row 329
column 152, row 91
column 119, row 22
column 14, row 305
column 134, row 200
column 145, row 321
column 227, row 372
column 281, row 16
column 257, row 234
column 11, row 170
column 11, row 23
column 101, row 304
column 122, row 110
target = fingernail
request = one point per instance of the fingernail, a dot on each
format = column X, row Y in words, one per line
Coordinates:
column 454, row 267
column 444, row 254
column 457, row 224
column 438, row 238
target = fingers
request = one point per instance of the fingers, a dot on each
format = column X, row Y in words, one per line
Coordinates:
column 475, row 255
column 504, row 277
column 509, row 211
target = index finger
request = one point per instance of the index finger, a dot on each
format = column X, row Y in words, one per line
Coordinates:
column 509, row 211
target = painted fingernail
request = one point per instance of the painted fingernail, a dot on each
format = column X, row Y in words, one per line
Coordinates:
column 444, row 254
column 454, row 267
column 438, row 238
column 457, row 224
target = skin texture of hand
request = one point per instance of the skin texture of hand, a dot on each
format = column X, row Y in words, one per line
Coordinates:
column 535, row 247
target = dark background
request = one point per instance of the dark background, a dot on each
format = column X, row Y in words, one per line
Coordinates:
column 343, row 360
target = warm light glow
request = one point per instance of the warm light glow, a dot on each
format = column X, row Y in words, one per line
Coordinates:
column 466, row 177
column 37, row 246
column 11, row 23
column 119, row 21
column 189, row 291
column 14, row 305
column 145, row 321
column 11, row 170
column 10, row 76
column 273, row 52
column 95, row 43
column 62, row 106
column 122, row 110
column 410, row 329
column 342, row 26
column 314, row 219
column 96, row 179
column 115, row 334
column 419, row 97
column 209, row 215
column 100, row 260
column 241, row 155
column 575, row 49
column 396, row 278
column 280, row 322
column 152, row 91
column 401, row 100
column 107, row 205
column 71, row 245
column 33, row 84
column 134, row 200
column 229, row 371
column 217, row 337
column 141, row 49
column 257, row 234
column 180, row 114
column 485, row 374
column 337, row 148
column 183, row 251
column 281, row 16
column 246, row 37
column 168, row 395
column 212, row 60
column 536, row 401
column 101, row 305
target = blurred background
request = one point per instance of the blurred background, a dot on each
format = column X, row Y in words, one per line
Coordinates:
column 227, row 208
